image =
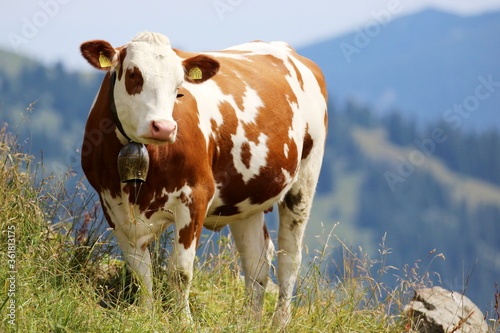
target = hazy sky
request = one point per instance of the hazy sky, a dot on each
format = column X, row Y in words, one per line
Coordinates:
column 52, row 30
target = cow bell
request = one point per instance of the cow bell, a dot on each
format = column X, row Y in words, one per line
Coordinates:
column 133, row 163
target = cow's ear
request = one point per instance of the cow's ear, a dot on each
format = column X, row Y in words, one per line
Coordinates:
column 199, row 68
column 99, row 54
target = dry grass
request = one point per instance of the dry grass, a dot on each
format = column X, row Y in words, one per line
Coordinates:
column 68, row 275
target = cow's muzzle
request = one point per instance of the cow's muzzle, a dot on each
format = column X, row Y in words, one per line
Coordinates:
column 163, row 130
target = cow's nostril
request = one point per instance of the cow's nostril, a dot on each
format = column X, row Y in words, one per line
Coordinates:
column 155, row 127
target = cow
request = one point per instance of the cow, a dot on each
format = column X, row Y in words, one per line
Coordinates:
column 229, row 134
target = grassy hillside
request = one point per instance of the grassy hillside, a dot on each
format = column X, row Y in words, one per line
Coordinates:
column 356, row 274
column 471, row 191
column 62, row 274
column 379, row 179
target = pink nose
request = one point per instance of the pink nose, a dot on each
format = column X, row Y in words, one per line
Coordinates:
column 163, row 130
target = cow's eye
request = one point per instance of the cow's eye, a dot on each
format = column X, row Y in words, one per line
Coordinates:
column 180, row 95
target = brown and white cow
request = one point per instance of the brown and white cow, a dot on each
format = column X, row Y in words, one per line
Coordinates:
column 248, row 133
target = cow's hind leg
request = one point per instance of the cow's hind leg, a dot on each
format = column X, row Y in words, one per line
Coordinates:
column 294, row 213
column 256, row 250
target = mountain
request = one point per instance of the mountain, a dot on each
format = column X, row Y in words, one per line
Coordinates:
column 407, row 199
column 423, row 65
column 47, row 105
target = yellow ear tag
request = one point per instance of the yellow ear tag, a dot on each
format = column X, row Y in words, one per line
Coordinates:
column 195, row 73
column 104, row 61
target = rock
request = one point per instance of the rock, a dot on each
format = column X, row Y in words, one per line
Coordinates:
column 437, row 310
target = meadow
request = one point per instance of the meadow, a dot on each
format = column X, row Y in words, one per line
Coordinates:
column 62, row 272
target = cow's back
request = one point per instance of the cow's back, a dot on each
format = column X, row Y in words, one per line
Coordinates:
column 260, row 117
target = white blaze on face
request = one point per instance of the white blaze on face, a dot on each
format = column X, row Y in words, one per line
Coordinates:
column 146, row 92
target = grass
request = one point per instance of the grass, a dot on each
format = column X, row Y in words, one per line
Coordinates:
column 64, row 273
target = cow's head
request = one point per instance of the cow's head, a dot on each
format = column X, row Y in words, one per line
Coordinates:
column 148, row 76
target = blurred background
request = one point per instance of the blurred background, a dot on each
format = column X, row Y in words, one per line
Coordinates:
column 412, row 165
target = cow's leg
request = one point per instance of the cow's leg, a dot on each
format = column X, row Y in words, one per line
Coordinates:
column 256, row 250
column 294, row 214
column 139, row 260
column 188, row 226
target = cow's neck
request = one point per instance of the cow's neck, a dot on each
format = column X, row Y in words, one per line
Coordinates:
column 112, row 106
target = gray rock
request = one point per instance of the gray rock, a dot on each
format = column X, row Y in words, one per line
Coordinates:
column 437, row 310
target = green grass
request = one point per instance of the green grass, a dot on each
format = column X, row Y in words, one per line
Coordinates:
column 69, row 276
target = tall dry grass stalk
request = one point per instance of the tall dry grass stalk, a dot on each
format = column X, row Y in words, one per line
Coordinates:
column 62, row 271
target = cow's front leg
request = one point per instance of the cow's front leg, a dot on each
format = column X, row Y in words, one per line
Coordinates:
column 188, row 225
column 139, row 260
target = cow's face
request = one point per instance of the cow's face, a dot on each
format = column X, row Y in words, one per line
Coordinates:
column 148, row 76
